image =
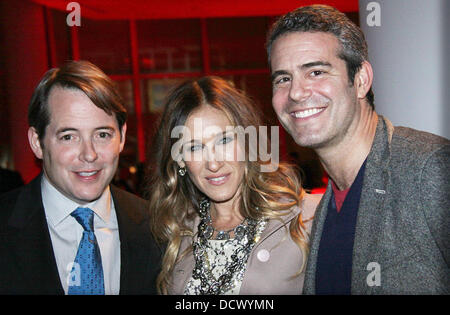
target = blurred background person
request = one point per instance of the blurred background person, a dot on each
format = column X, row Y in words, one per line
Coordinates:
column 9, row 179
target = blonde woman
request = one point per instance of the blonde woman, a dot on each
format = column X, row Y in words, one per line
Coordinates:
column 231, row 227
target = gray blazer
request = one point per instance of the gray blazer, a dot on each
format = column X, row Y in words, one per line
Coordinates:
column 402, row 243
column 271, row 276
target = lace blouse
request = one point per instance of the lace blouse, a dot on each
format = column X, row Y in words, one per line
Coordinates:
column 219, row 257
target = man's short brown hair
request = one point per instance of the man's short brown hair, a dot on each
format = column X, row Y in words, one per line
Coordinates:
column 80, row 75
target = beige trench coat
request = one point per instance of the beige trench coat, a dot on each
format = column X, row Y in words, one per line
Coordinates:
column 272, row 262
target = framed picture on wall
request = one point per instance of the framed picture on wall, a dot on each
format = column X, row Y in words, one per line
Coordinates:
column 157, row 92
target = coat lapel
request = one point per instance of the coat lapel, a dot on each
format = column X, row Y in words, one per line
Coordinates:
column 134, row 248
column 184, row 268
column 370, row 218
column 30, row 243
column 275, row 224
column 316, row 233
column 125, row 234
column 182, row 272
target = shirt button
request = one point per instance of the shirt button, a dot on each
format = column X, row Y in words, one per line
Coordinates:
column 263, row 255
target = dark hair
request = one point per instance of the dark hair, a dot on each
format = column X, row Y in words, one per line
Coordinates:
column 80, row 75
column 323, row 18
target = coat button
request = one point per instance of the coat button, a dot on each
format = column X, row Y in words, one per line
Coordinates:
column 263, row 255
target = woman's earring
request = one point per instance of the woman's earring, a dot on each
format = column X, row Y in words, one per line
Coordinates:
column 182, row 171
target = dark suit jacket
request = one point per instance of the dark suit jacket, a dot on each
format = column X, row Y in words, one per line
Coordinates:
column 403, row 218
column 9, row 180
column 27, row 262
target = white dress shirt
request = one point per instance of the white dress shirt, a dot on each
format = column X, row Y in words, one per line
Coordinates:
column 66, row 233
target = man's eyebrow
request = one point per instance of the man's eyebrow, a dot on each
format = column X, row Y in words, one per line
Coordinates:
column 315, row 63
column 303, row 67
column 66, row 129
column 105, row 127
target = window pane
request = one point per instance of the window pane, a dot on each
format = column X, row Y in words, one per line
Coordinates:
column 106, row 44
column 237, row 43
column 259, row 89
column 169, row 45
column 154, row 92
column 125, row 88
column 129, row 154
column 128, row 175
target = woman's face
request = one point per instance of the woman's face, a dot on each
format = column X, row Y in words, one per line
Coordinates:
column 212, row 154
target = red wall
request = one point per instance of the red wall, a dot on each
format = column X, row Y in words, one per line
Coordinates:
column 24, row 56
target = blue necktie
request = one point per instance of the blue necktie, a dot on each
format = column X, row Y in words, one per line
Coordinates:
column 86, row 276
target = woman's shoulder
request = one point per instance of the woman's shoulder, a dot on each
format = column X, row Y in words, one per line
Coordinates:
column 308, row 207
column 309, row 204
column 311, row 200
column 190, row 223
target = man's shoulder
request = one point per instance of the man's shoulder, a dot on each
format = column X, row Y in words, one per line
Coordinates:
column 9, row 201
column 129, row 203
column 127, row 196
column 417, row 144
column 419, row 157
column 421, row 140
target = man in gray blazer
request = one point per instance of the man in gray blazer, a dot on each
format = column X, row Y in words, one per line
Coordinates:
column 383, row 224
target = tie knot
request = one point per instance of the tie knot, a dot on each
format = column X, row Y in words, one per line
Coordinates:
column 85, row 217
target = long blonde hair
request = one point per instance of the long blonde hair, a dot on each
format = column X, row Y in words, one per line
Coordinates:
column 174, row 200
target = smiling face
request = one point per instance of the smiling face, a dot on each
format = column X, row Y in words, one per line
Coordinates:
column 312, row 96
column 81, row 146
column 211, row 155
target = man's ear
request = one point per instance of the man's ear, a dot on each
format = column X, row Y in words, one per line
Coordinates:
column 123, row 134
column 364, row 79
column 35, row 143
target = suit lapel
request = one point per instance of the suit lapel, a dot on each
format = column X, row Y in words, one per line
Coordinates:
column 370, row 213
column 274, row 225
column 30, row 244
column 134, row 254
column 124, row 233
column 316, row 233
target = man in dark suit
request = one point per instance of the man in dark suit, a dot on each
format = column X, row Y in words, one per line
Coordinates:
column 69, row 231
column 382, row 226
